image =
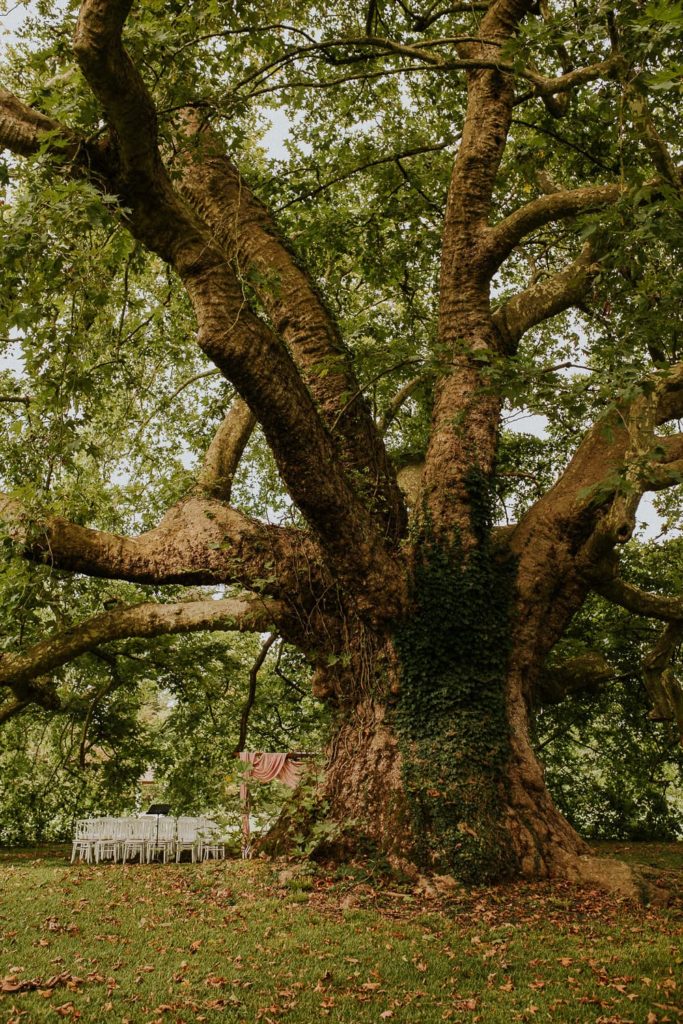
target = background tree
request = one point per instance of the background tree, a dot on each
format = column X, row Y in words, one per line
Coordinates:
column 479, row 212
column 180, row 707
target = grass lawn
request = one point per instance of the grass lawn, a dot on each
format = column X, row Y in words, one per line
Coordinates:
column 239, row 942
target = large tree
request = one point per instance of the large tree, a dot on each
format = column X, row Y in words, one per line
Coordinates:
column 479, row 212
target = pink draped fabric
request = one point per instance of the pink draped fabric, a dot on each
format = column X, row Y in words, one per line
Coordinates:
column 272, row 767
column 265, row 768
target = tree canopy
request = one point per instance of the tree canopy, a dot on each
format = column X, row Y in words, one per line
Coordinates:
column 277, row 389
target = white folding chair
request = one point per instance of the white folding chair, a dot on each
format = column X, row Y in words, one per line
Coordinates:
column 212, row 844
column 140, row 831
column 164, row 839
column 83, row 845
column 187, row 838
column 105, row 844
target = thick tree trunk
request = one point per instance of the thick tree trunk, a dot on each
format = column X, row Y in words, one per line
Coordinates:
column 433, row 765
column 487, row 826
column 444, row 812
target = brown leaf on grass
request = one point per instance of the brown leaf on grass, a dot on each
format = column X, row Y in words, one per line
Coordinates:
column 466, row 1004
column 215, row 981
column 67, row 1010
column 615, row 1019
column 220, row 1004
column 13, row 984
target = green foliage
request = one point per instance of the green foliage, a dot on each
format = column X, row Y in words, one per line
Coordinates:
column 44, row 783
column 450, row 713
column 206, row 681
column 304, row 826
column 613, row 771
column 175, row 709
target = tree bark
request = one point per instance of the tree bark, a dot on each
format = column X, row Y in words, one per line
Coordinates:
column 401, row 798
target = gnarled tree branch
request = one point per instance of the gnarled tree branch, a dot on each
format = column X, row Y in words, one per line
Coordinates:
column 245, row 614
column 545, row 86
column 247, row 233
column 237, row 341
column 503, row 238
column 23, row 129
column 587, row 671
column 199, row 541
column 225, row 451
column 640, row 602
column 545, row 299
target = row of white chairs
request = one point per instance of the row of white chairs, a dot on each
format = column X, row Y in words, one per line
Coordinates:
column 146, row 838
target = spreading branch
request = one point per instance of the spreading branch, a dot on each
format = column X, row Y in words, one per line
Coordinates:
column 544, row 86
column 234, row 338
column 504, row 237
column 225, row 451
column 26, row 132
column 199, row 541
column 620, row 457
column 545, row 299
column 564, row 544
column 23, row 130
column 394, row 406
column 248, row 235
column 635, row 600
column 245, row 614
column 586, row 672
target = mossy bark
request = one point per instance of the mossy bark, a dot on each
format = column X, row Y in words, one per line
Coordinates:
column 435, row 767
column 427, row 804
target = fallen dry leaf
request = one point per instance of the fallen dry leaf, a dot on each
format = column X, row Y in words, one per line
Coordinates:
column 13, row 984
